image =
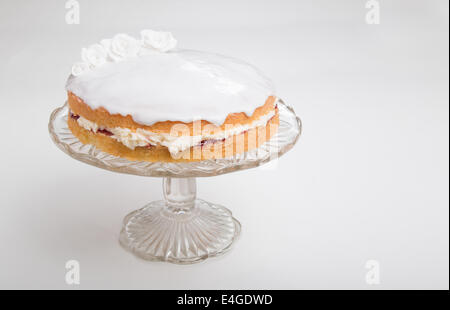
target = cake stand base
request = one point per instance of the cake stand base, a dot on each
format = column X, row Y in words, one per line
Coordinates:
column 179, row 229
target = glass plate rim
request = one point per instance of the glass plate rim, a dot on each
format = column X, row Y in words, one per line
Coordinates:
column 165, row 169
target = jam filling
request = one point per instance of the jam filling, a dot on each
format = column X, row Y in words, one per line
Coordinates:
column 100, row 130
column 149, row 146
column 210, row 141
column 105, row 132
column 73, row 116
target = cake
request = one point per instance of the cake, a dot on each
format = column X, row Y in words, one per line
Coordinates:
column 144, row 99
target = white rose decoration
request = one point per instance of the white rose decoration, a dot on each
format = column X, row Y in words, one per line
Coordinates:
column 159, row 40
column 95, row 55
column 106, row 43
column 123, row 46
column 79, row 68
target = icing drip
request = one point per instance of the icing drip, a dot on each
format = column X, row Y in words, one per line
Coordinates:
column 179, row 85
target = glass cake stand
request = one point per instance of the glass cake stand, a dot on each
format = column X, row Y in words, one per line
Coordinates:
column 180, row 228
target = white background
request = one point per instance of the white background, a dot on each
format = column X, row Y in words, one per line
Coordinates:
column 367, row 180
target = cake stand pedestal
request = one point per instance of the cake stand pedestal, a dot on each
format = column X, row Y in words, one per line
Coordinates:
column 180, row 228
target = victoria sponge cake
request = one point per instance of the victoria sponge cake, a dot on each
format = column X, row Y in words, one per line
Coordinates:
column 145, row 99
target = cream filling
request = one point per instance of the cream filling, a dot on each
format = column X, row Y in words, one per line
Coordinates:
column 175, row 144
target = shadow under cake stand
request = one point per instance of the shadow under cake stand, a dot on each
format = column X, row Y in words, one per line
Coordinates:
column 180, row 228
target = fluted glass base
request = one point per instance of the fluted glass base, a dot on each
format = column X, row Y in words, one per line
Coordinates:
column 179, row 229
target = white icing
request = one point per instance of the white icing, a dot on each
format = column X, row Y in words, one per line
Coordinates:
column 79, row 68
column 95, row 55
column 175, row 144
column 159, row 40
column 180, row 85
column 122, row 47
